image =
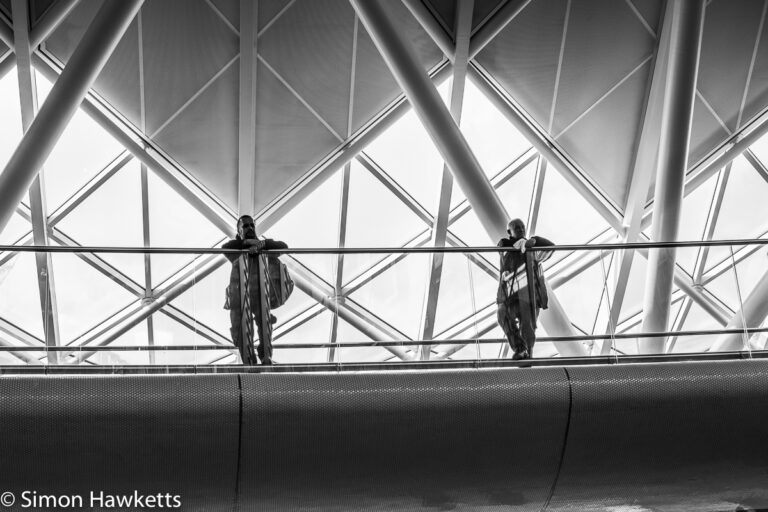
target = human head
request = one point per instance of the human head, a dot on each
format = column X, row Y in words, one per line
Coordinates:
column 246, row 228
column 516, row 228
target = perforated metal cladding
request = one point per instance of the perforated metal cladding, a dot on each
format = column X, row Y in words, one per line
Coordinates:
column 726, row 55
column 611, row 126
column 204, row 137
column 310, row 46
column 436, row 440
column 688, row 436
column 175, row 434
column 118, row 82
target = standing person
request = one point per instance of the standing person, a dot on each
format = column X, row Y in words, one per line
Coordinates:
column 246, row 238
column 515, row 313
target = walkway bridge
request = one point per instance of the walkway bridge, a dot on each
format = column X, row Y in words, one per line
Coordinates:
column 606, row 430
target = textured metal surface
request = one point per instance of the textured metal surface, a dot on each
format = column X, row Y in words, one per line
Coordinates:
column 688, row 436
column 152, row 434
column 669, row 436
column 402, row 441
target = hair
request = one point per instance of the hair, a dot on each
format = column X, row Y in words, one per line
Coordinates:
column 240, row 220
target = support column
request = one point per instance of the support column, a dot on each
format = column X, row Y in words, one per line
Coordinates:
column 753, row 312
column 446, row 135
column 246, row 192
column 464, row 9
column 90, row 56
column 686, row 27
column 434, row 115
column 38, row 211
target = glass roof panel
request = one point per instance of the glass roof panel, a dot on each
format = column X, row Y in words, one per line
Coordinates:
column 693, row 219
column 760, row 149
column 314, row 222
column 407, row 154
column 16, row 229
column 19, row 296
column 494, row 140
column 82, row 151
column 376, row 218
column 111, row 217
column 565, row 217
column 85, row 297
column 515, row 195
column 175, row 223
column 745, row 187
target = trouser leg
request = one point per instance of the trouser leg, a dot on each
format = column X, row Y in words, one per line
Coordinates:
column 507, row 316
column 528, row 317
column 264, row 330
column 236, row 330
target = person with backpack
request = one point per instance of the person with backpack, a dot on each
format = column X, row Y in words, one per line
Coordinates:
column 517, row 305
column 258, row 271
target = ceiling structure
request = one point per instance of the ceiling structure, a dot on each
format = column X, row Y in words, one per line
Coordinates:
column 575, row 74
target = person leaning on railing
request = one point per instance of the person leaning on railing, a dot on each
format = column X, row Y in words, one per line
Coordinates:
column 246, row 238
column 515, row 313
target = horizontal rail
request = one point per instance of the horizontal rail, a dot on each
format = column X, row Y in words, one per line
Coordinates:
column 393, row 343
column 472, row 364
column 380, row 250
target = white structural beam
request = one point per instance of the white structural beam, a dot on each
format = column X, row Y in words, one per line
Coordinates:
column 752, row 314
column 464, row 9
column 686, row 27
column 28, row 104
column 6, row 32
column 7, row 63
column 434, row 115
column 246, row 198
column 646, row 153
column 90, row 56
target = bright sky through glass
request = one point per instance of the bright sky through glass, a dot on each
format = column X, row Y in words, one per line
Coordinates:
column 387, row 194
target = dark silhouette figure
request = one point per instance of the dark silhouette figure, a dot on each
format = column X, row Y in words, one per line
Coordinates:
column 257, row 301
column 518, row 307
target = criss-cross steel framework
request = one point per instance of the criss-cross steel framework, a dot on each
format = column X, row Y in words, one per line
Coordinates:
column 460, row 45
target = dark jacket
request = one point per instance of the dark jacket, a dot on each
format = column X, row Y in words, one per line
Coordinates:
column 233, row 290
column 514, row 261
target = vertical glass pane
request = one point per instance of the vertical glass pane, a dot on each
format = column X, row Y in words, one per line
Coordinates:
column 16, row 228
column 313, row 330
column 19, row 295
column 397, row 295
column 111, row 217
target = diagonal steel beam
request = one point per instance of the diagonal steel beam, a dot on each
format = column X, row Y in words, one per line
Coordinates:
column 464, row 9
column 90, row 56
column 433, row 114
column 246, row 196
column 431, row 26
column 7, row 63
column 28, row 104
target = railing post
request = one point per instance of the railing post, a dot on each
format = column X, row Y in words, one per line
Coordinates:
column 246, row 313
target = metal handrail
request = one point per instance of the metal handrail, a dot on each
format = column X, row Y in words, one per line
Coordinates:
column 381, row 250
column 391, row 343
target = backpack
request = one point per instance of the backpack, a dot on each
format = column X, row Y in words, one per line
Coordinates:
column 280, row 285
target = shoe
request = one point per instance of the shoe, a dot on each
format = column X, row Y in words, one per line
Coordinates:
column 266, row 361
column 272, row 319
column 517, row 356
